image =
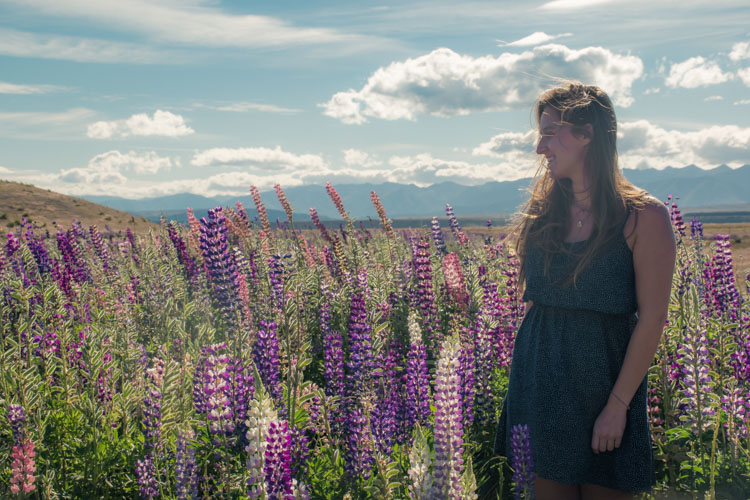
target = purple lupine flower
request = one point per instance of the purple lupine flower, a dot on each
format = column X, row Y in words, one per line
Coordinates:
column 184, row 258
column 522, row 459
column 696, row 229
column 240, row 388
column 300, row 449
column 425, row 295
column 333, row 373
column 417, row 378
column 674, row 214
column 100, row 248
column 185, row 469
column 72, row 255
column 359, row 447
column 384, row 416
column 485, row 362
column 278, row 462
column 220, row 266
column 152, row 419
column 736, row 404
column 360, row 365
column 455, row 226
column 466, row 359
column 276, row 275
column 145, row 474
column 39, row 251
column 449, row 432
column 211, row 392
column 16, row 418
column 266, row 358
column 697, row 383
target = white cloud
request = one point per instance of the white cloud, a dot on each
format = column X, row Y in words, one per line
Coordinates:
column 713, row 98
column 264, row 158
column 355, row 157
column 643, row 144
column 241, row 107
column 44, row 125
column 68, row 48
column 741, row 102
column 4, row 170
column 163, row 123
column 107, row 168
column 444, row 83
column 696, row 72
column 507, row 141
column 652, row 90
column 740, row 50
column 744, row 75
column 536, row 38
column 194, row 23
column 45, row 118
column 16, row 88
column 572, row 4
column 424, row 170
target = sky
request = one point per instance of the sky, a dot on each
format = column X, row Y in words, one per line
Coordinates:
column 150, row 98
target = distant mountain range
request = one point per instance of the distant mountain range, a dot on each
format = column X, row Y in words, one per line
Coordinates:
column 696, row 189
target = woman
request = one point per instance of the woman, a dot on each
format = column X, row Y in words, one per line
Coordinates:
column 597, row 255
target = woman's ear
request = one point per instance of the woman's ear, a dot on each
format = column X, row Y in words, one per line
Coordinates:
column 587, row 133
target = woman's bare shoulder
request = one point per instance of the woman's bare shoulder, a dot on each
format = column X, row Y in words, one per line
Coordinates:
column 654, row 223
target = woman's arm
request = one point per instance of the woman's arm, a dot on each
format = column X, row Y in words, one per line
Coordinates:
column 653, row 259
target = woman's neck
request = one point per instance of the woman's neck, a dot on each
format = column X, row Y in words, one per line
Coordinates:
column 581, row 192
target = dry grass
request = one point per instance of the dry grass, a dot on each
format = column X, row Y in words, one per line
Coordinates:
column 43, row 207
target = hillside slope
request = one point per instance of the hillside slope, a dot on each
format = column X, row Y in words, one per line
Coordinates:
column 46, row 208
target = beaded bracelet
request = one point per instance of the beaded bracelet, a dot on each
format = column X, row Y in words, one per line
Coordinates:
column 620, row 400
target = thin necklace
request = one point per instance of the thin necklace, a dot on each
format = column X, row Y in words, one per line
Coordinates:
column 586, row 211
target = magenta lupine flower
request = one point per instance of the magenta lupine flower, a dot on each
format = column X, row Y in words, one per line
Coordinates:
column 417, row 378
column 455, row 280
column 677, row 223
column 384, row 220
column 337, row 201
column 522, row 460
column 185, row 469
column 448, row 464
column 425, row 295
column 145, row 474
column 266, row 358
column 278, row 461
column 73, row 258
column 22, row 468
column 262, row 213
column 360, row 365
column 284, row 202
column 220, row 264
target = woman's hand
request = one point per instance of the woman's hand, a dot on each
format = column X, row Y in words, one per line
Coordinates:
column 609, row 427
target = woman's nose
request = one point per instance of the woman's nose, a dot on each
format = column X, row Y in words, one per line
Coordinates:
column 541, row 146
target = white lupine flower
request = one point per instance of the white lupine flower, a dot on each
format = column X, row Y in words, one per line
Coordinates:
column 260, row 413
column 419, row 468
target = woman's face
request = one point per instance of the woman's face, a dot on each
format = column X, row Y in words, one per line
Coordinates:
column 565, row 152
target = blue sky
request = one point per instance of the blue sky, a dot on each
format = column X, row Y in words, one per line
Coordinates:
column 146, row 98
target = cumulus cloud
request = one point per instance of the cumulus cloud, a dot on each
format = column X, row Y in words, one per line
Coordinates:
column 740, row 51
column 355, row 157
column 107, row 168
column 445, row 83
column 16, row 88
column 162, row 123
column 644, row 145
column 744, row 75
column 263, row 158
column 536, row 38
column 696, row 72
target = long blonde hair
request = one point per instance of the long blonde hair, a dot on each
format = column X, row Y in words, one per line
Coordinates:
column 545, row 218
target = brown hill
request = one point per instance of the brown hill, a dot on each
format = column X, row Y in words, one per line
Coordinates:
column 46, row 209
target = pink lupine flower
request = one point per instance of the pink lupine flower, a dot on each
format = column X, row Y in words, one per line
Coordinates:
column 455, row 280
column 23, row 468
column 284, row 202
column 262, row 213
column 337, row 201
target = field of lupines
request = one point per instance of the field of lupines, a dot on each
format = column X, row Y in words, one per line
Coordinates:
column 233, row 359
